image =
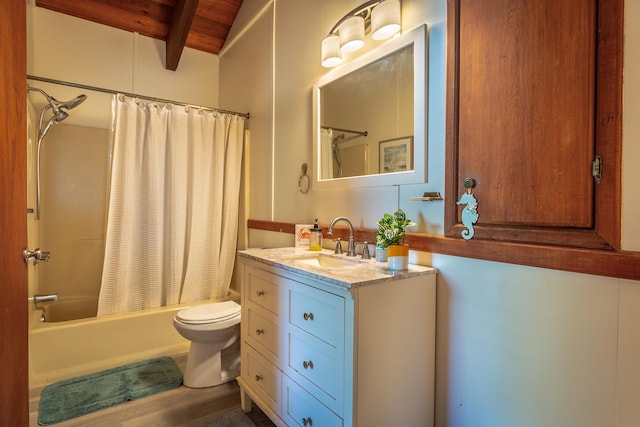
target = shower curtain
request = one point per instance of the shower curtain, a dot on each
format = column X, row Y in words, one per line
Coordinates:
column 173, row 206
column 326, row 153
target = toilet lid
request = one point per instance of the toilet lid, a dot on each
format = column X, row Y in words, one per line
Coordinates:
column 210, row 313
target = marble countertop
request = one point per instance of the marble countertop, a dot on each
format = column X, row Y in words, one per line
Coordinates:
column 357, row 272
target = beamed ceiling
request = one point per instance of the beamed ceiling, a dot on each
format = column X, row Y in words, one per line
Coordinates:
column 198, row 24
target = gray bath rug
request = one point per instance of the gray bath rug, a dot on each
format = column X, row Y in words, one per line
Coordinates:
column 83, row 395
column 235, row 418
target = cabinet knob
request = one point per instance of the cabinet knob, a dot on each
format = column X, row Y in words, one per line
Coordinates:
column 260, row 293
column 259, row 378
column 307, row 365
column 307, row 421
column 308, row 316
column 259, row 331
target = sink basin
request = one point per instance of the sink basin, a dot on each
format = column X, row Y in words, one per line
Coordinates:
column 321, row 260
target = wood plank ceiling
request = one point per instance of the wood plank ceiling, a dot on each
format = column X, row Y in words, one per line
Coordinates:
column 198, row 24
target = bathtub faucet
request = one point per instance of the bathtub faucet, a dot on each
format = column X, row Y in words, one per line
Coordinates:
column 39, row 299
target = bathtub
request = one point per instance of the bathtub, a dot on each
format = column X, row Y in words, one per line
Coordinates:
column 70, row 308
column 61, row 350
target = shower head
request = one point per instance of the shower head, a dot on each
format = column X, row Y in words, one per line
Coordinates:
column 56, row 105
column 68, row 105
column 58, row 109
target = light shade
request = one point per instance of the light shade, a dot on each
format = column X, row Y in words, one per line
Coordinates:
column 331, row 51
column 351, row 34
column 385, row 19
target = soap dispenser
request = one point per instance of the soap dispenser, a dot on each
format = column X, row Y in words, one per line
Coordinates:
column 315, row 238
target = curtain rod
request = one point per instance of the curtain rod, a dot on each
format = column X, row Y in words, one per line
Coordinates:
column 133, row 95
column 363, row 133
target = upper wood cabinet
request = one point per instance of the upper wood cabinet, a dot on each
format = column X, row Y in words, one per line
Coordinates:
column 534, row 95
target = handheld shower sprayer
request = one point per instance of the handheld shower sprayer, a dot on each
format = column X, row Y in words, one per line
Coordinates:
column 55, row 119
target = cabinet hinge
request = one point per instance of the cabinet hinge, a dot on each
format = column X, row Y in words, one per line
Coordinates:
column 596, row 169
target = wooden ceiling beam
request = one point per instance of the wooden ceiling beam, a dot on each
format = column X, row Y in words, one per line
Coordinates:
column 183, row 14
column 153, row 18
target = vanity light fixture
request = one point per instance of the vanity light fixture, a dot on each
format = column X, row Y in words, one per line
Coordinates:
column 382, row 17
column 351, row 33
column 385, row 20
column 331, row 51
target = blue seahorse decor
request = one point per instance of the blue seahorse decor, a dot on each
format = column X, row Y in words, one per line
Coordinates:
column 469, row 213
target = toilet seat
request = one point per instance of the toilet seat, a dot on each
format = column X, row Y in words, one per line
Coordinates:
column 216, row 312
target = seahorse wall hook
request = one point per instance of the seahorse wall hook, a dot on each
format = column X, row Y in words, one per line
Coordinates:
column 470, row 211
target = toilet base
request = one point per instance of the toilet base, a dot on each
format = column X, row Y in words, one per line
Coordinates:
column 205, row 368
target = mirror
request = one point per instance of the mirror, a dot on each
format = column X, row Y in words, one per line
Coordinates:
column 370, row 115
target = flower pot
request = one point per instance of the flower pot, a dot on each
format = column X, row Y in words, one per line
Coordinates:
column 398, row 257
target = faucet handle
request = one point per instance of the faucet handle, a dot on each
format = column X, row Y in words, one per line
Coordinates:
column 338, row 249
column 365, row 249
column 37, row 256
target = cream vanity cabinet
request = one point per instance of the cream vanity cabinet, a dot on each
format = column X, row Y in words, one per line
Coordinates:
column 320, row 349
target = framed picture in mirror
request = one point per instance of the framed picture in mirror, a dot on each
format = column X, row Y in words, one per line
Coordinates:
column 396, row 155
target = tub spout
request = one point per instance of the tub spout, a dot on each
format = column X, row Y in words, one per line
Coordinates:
column 39, row 299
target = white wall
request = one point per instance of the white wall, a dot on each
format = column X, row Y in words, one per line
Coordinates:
column 516, row 346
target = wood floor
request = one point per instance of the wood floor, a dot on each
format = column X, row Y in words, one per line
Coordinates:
column 178, row 407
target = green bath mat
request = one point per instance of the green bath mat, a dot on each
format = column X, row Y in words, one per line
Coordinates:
column 83, row 395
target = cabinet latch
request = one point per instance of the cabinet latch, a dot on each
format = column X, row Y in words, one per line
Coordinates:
column 596, row 169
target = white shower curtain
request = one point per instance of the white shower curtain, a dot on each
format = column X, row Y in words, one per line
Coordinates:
column 326, row 153
column 173, row 209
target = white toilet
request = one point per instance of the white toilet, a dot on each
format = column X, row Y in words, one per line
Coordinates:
column 214, row 355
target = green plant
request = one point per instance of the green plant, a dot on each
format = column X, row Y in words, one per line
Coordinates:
column 391, row 228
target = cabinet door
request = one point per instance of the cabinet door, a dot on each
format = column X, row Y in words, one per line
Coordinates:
column 299, row 408
column 525, row 99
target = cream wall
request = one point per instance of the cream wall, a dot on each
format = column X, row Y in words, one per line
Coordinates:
column 516, row 346
column 71, row 49
column 74, row 165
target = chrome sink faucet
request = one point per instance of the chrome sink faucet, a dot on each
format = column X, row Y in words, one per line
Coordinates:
column 351, row 247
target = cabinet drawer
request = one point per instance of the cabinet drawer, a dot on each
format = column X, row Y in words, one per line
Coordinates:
column 318, row 312
column 299, row 408
column 263, row 376
column 318, row 362
column 262, row 289
column 261, row 330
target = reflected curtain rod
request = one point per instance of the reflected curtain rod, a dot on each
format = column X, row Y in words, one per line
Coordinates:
column 133, row 95
column 358, row 132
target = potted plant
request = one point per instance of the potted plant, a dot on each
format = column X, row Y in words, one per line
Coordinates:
column 391, row 231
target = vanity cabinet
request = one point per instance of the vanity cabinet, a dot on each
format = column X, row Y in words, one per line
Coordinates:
column 260, row 335
column 317, row 353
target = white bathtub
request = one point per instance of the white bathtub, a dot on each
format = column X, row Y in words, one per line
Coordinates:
column 61, row 350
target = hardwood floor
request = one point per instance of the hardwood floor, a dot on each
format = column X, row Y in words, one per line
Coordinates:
column 178, row 407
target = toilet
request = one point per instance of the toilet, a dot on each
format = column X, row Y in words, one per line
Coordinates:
column 214, row 331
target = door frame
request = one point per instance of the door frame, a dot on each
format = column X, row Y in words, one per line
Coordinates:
column 14, row 350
